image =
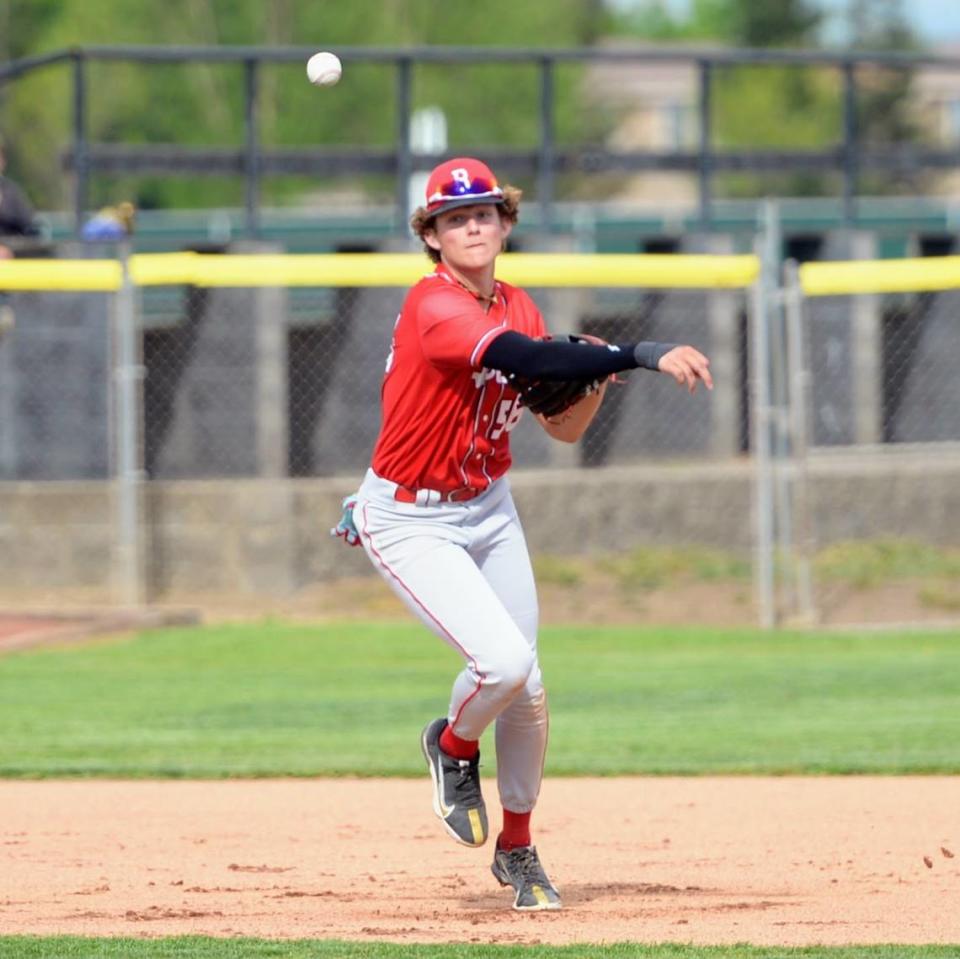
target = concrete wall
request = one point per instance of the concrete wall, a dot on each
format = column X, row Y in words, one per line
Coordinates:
column 882, row 367
column 215, row 393
column 54, row 386
column 924, row 340
column 260, row 538
column 56, row 539
column 346, row 378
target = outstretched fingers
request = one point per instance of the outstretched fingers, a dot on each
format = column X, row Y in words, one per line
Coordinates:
column 687, row 366
column 700, row 367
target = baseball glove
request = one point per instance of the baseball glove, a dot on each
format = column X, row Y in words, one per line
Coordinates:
column 551, row 398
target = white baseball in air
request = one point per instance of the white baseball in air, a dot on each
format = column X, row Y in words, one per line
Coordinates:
column 324, row 69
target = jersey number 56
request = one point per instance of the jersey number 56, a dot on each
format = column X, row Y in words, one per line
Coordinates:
column 507, row 417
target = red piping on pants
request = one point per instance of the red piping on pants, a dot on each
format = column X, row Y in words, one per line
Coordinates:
column 440, row 626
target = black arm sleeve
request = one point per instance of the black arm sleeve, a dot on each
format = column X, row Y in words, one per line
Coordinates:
column 513, row 352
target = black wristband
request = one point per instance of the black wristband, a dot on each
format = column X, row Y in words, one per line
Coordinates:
column 648, row 353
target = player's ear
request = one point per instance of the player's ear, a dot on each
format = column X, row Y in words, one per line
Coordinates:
column 430, row 238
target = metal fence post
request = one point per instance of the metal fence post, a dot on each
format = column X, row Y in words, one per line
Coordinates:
column 251, row 158
column 765, row 292
column 780, row 446
column 127, row 406
column 404, row 96
column 546, row 158
column 799, row 400
column 705, row 158
column 81, row 160
column 851, row 149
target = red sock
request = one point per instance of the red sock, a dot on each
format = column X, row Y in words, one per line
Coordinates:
column 516, row 830
column 456, row 747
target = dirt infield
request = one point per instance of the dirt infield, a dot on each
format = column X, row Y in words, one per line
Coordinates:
column 786, row 861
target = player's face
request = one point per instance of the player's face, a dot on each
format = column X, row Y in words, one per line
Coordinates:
column 469, row 237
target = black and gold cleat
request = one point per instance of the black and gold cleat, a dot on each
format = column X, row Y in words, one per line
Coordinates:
column 457, row 800
column 521, row 869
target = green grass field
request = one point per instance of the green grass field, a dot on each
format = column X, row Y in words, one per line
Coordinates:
column 278, row 699
column 69, row 947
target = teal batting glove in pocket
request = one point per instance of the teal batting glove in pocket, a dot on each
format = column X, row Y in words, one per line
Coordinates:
column 345, row 528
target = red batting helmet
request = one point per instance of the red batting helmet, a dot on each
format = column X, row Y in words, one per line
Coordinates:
column 462, row 181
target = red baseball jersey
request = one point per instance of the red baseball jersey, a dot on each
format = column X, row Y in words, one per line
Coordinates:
column 447, row 420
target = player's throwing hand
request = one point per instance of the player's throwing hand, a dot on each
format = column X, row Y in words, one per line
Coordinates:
column 687, row 365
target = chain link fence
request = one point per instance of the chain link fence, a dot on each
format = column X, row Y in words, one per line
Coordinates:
column 55, row 372
column 169, row 434
column 57, row 420
column 222, row 421
column 286, row 382
column 894, row 551
column 863, row 476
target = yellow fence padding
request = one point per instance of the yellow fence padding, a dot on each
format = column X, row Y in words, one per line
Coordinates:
column 60, row 275
column 663, row 271
column 643, row 270
column 403, row 269
column 280, row 269
column 881, row 276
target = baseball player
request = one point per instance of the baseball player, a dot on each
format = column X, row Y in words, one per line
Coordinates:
column 435, row 514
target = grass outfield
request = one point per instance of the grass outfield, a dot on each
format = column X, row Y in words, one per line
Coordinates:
column 69, row 947
column 280, row 699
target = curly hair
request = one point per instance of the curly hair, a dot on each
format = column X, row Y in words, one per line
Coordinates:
column 421, row 221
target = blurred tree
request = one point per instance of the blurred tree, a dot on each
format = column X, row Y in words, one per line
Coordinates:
column 745, row 23
column 647, row 19
column 22, row 22
column 792, row 107
column 885, row 113
column 202, row 103
column 787, row 23
column 879, row 25
column 772, row 107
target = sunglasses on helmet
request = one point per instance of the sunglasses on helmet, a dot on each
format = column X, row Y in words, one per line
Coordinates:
column 478, row 187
